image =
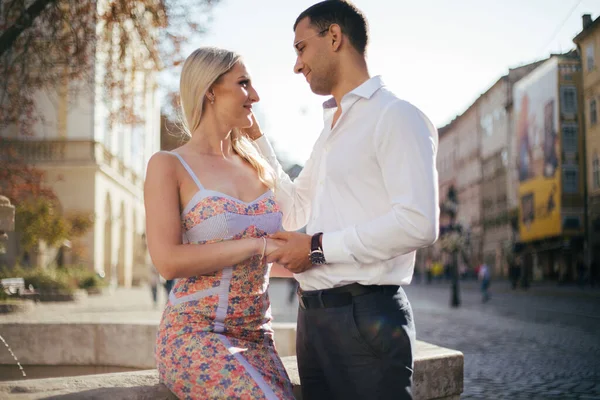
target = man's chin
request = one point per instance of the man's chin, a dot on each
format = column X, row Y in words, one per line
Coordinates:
column 319, row 90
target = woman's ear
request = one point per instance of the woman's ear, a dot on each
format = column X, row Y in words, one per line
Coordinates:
column 210, row 95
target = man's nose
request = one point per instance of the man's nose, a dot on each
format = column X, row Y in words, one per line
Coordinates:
column 298, row 66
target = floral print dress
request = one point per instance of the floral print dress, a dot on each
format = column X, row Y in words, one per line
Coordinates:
column 215, row 339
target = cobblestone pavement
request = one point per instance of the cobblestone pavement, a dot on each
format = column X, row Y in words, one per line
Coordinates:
column 539, row 344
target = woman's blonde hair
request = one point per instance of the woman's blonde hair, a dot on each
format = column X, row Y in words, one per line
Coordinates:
column 204, row 67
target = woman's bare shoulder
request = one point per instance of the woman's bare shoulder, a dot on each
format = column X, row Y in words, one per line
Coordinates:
column 162, row 162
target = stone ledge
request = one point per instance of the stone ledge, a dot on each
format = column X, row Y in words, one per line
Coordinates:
column 117, row 344
column 438, row 375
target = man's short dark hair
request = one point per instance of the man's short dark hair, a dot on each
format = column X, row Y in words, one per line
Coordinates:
column 352, row 22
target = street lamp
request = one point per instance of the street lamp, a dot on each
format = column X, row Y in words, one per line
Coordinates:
column 453, row 241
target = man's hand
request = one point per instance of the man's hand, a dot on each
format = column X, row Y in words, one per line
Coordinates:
column 253, row 132
column 293, row 255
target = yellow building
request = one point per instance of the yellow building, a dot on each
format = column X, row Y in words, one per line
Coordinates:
column 588, row 44
column 548, row 148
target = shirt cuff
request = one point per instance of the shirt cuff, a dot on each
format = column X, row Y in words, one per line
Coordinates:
column 334, row 248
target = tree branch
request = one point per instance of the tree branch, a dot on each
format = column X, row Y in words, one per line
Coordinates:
column 9, row 36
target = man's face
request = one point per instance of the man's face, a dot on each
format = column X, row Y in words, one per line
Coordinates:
column 314, row 57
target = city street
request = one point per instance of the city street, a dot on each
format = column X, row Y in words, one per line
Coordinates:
column 543, row 343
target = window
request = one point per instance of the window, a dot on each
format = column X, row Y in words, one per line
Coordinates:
column 593, row 112
column 569, row 138
column 487, row 125
column 596, row 171
column 589, row 57
column 570, row 180
column 568, row 99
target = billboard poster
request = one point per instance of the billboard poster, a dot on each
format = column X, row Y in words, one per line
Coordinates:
column 538, row 153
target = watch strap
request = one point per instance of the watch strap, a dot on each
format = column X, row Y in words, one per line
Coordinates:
column 315, row 242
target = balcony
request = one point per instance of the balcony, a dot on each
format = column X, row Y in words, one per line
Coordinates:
column 65, row 153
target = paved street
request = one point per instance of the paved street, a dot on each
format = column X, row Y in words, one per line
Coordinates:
column 540, row 344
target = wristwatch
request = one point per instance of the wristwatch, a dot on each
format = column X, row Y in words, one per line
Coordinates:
column 316, row 255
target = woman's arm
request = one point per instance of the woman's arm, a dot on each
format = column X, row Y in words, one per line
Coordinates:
column 163, row 229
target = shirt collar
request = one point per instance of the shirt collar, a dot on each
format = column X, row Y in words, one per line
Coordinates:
column 365, row 90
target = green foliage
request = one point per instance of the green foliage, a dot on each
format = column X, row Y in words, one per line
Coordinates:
column 56, row 280
column 39, row 219
column 81, row 277
column 43, row 280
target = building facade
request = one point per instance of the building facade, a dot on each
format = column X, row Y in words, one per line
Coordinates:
column 95, row 167
column 588, row 44
column 499, row 194
column 459, row 166
column 548, row 147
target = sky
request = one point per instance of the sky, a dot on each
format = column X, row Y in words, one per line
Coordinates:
column 439, row 55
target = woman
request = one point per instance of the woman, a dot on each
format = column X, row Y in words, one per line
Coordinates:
column 209, row 209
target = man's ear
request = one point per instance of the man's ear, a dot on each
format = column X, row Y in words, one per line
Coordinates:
column 336, row 37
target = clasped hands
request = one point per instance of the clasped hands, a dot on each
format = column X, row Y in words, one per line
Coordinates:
column 290, row 250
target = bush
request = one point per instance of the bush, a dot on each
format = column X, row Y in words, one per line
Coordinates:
column 63, row 280
column 48, row 281
column 42, row 280
column 82, row 277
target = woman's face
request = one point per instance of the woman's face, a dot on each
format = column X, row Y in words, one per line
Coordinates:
column 233, row 97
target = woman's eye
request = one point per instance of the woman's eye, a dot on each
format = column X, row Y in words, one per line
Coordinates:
column 244, row 83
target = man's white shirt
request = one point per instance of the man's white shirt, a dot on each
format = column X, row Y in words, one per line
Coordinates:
column 370, row 185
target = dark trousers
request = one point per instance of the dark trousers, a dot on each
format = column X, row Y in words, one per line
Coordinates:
column 362, row 350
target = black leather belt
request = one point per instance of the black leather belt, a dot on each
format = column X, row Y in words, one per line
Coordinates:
column 339, row 296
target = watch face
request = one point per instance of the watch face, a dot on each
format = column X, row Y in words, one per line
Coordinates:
column 317, row 257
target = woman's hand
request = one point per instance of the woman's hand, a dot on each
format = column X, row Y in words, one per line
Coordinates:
column 253, row 132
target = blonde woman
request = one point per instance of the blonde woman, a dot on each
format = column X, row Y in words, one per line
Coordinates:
column 209, row 208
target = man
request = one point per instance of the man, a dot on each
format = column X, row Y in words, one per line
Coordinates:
column 369, row 196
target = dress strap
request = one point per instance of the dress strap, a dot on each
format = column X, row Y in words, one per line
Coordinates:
column 189, row 170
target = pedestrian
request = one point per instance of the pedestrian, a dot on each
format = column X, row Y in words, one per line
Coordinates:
column 484, row 279
column 581, row 271
column 594, row 266
column 515, row 271
column 428, row 270
column 168, row 285
column 154, row 281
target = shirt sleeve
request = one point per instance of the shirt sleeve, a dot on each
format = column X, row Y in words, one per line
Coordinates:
column 294, row 198
column 405, row 143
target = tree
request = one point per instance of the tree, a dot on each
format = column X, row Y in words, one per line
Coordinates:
column 67, row 45
column 44, row 43
column 38, row 212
